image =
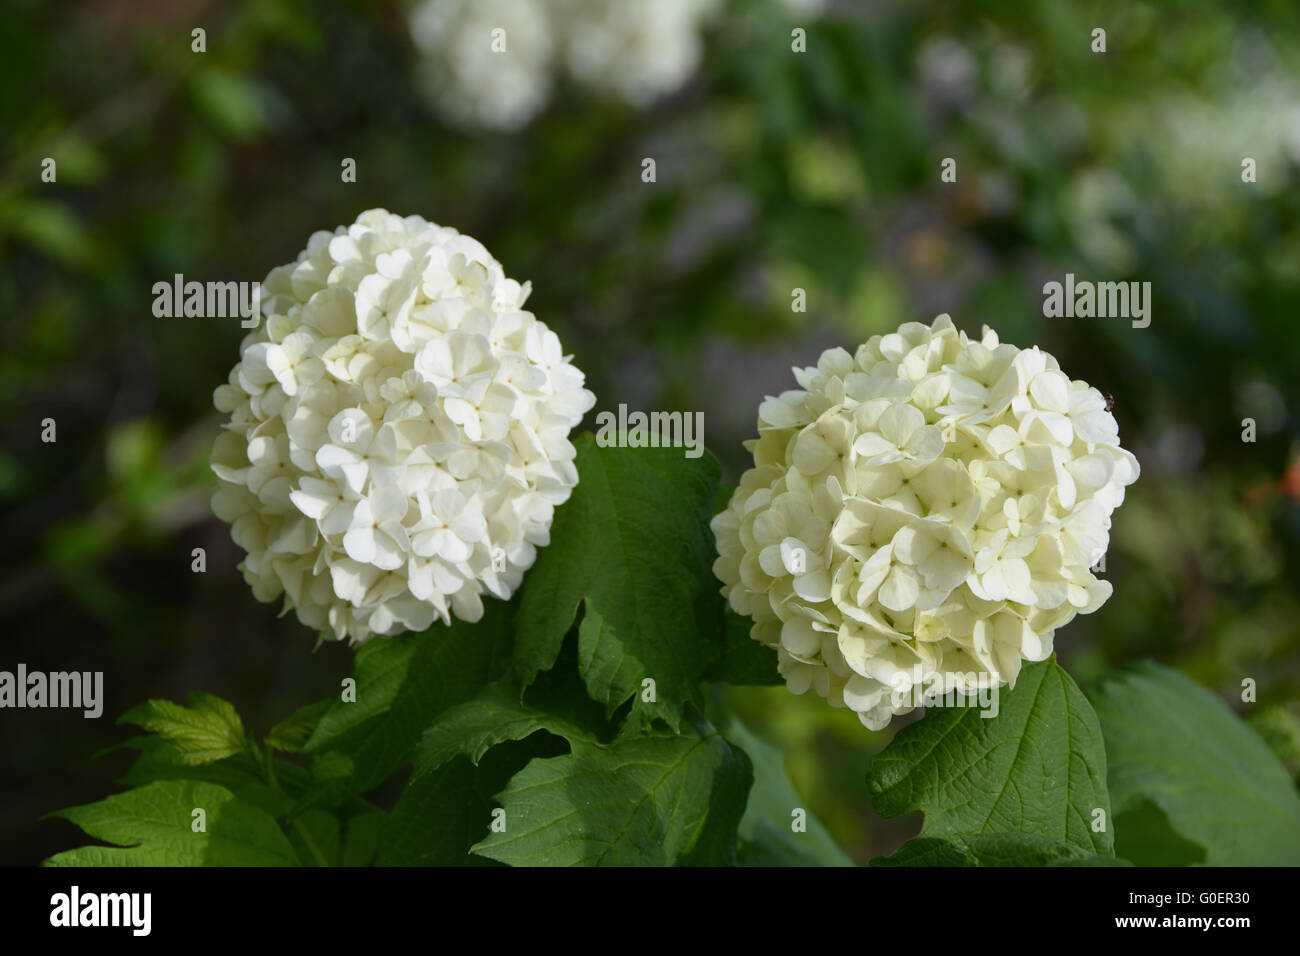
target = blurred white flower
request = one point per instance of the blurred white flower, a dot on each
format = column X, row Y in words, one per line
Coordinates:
column 926, row 510
column 640, row 51
column 398, row 435
column 476, row 77
column 494, row 63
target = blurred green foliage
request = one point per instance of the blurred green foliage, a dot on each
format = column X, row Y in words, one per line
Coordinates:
column 776, row 170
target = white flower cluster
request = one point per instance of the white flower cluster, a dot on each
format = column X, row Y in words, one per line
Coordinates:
column 923, row 512
column 490, row 63
column 398, row 433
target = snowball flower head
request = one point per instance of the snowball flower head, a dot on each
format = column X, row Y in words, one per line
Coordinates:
column 398, row 434
column 921, row 515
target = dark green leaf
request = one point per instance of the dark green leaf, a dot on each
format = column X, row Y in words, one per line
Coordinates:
column 632, row 547
column 640, row 801
column 744, row 660
column 1037, row 768
column 443, row 813
column 402, row 684
column 361, row 837
column 496, row 715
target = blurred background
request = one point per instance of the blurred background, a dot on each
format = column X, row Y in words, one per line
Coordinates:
column 775, row 170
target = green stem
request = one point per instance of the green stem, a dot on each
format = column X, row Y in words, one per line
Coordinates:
column 311, row 844
column 269, row 766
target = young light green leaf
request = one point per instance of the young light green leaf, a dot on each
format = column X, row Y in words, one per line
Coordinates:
column 1175, row 744
column 654, row 800
column 402, row 684
column 1037, row 768
column 155, row 826
column 632, row 547
column 207, row 730
column 767, row 834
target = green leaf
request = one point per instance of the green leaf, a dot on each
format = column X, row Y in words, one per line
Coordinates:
column 402, row 684
column 561, row 694
column 1037, row 768
column 1175, row 744
column 992, row 849
column 349, row 837
column 361, row 837
column 654, row 800
column 240, row 774
column 291, row 734
column 153, row 827
column 496, row 715
column 437, row 819
column 314, row 832
column 744, row 660
column 443, row 813
column 633, row 549
column 718, row 842
column 1143, row 833
column 767, row 837
column 461, row 763
column 207, row 730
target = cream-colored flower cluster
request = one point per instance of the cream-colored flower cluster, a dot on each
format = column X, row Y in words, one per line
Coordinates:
column 925, row 511
column 398, row 435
